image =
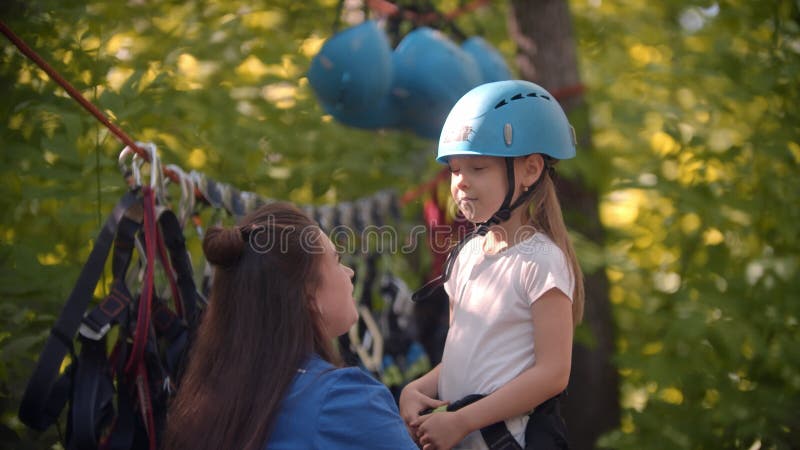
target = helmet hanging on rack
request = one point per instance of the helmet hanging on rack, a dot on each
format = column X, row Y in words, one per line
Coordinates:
column 352, row 73
column 490, row 61
column 431, row 73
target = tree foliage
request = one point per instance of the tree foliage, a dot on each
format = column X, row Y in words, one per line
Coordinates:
column 696, row 105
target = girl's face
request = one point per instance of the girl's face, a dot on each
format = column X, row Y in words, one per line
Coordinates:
column 334, row 295
column 478, row 185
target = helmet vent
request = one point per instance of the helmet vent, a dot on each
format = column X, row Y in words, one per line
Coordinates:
column 516, row 97
column 502, row 103
column 532, row 94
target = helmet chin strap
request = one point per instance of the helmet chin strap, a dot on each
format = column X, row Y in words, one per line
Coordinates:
column 504, row 213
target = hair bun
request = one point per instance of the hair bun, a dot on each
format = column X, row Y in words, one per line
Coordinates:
column 223, row 246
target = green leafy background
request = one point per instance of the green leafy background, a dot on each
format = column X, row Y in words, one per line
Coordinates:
column 694, row 111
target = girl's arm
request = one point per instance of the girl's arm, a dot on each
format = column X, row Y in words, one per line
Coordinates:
column 420, row 394
column 427, row 384
column 553, row 329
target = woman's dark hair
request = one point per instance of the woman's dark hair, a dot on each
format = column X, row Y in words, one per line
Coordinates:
column 258, row 330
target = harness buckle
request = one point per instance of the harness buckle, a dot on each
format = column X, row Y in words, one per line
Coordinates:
column 89, row 333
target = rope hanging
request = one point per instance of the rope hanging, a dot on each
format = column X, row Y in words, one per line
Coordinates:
column 93, row 110
column 388, row 8
column 171, row 171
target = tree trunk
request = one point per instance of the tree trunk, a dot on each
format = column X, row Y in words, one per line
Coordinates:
column 546, row 55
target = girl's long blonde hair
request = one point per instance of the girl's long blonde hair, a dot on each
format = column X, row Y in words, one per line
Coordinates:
column 544, row 213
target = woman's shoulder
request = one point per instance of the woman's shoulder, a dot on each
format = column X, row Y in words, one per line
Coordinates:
column 337, row 382
column 373, row 421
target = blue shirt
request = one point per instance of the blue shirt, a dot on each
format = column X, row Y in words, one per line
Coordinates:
column 329, row 408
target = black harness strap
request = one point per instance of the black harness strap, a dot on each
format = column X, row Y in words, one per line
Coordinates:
column 115, row 402
column 115, row 307
column 92, row 409
column 545, row 429
column 179, row 258
column 44, row 398
column 167, row 339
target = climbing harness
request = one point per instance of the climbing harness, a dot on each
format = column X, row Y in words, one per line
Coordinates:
column 118, row 400
column 545, row 429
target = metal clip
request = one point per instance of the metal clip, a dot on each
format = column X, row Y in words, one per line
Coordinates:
column 88, row 333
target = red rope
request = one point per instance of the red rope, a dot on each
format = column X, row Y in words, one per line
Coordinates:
column 413, row 194
column 27, row 51
column 466, row 9
column 75, row 94
column 388, row 8
column 568, row 92
column 146, row 295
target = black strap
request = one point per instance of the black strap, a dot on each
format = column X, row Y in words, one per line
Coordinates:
column 163, row 357
column 175, row 242
column 115, row 307
column 92, row 406
column 496, row 435
column 39, row 407
column 435, row 287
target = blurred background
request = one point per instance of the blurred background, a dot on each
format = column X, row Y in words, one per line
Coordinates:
column 683, row 200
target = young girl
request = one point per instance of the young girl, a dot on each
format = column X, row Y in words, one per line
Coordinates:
column 515, row 287
column 263, row 371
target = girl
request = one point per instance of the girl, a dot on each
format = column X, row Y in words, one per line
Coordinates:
column 263, row 371
column 514, row 285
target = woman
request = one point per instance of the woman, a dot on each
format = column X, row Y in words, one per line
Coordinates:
column 263, row 371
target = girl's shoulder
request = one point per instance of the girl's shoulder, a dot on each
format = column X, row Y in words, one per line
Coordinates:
column 538, row 247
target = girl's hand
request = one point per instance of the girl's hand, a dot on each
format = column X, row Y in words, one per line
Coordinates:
column 412, row 401
column 440, row 430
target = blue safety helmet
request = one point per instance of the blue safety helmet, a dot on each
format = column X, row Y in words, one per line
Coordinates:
column 431, row 73
column 507, row 119
column 492, row 64
column 381, row 114
column 352, row 71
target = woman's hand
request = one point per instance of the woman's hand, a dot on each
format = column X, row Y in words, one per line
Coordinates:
column 412, row 401
column 439, row 430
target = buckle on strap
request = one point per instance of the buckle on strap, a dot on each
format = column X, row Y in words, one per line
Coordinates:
column 89, row 333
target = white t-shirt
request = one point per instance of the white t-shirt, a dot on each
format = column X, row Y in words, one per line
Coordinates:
column 490, row 340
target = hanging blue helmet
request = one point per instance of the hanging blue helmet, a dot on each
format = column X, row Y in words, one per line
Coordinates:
column 431, row 73
column 492, row 64
column 353, row 70
column 381, row 114
column 507, row 119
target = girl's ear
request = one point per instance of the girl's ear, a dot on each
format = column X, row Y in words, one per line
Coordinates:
column 532, row 166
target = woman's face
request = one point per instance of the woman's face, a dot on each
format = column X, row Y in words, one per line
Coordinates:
column 334, row 295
